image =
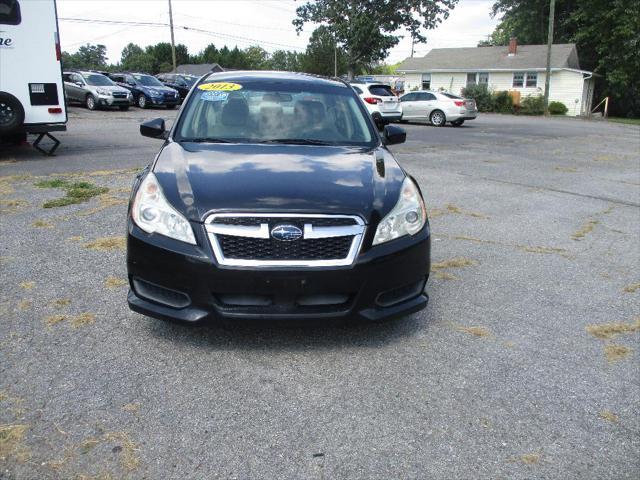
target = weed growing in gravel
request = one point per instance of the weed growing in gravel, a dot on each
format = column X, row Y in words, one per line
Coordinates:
column 457, row 262
column 584, row 230
column 83, row 320
column 76, row 192
column 609, row 416
column 632, row 288
column 606, row 331
column 107, row 243
column 61, row 302
column 615, row 352
column 11, row 443
column 475, row 331
column 12, row 206
column 27, row 285
column 530, row 458
column 114, row 282
column 42, row 224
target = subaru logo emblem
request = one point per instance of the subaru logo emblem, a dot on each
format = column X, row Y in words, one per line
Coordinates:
column 286, row 233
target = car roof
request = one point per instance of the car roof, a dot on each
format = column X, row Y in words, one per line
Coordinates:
column 295, row 77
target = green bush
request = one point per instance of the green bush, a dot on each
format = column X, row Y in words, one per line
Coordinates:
column 532, row 105
column 557, row 108
column 502, row 102
column 482, row 96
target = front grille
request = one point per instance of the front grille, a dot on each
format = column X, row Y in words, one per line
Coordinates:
column 272, row 221
column 269, row 249
column 246, row 239
column 119, row 95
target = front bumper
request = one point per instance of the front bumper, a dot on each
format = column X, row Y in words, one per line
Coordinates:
column 109, row 101
column 164, row 100
column 385, row 281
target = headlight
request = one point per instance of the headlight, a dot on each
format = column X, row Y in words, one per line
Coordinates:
column 153, row 213
column 154, row 93
column 406, row 218
column 102, row 91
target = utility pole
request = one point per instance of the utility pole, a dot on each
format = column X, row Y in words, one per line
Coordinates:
column 552, row 10
column 173, row 42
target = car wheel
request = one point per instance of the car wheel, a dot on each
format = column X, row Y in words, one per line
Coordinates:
column 437, row 118
column 170, row 107
column 90, row 102
column 457, row 123
column 11, row 113
column 142, row 101
column 124, row 108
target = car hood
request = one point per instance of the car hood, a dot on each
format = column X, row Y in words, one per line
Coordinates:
column 162, row 89
column 200, row 178
column 112, row 88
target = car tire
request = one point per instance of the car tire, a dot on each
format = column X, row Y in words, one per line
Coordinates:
column 142, row 102
column 170, row 107
column 437, row 118
column 11, row 113
column 457, row 123
column 90, row 102
column 124, row 108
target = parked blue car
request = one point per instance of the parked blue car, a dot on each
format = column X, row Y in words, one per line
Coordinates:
column 147, row 90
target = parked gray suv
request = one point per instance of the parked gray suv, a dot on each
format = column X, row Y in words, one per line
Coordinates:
column 95, row 90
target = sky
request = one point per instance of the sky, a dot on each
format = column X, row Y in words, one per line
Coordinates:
column 266, row 23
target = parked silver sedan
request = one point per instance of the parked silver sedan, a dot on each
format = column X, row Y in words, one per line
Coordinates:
column 438, row 108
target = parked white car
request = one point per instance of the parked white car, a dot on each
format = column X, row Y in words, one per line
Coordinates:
column 382, row 103
column 438, row 108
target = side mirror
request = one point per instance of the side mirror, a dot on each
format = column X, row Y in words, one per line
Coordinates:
column 154, row 128
column 394, row 135
column 79, row 84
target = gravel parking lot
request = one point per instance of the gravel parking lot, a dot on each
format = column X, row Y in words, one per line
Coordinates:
column 524, row 365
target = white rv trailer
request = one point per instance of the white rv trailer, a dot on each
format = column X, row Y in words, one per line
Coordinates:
column 32, row 97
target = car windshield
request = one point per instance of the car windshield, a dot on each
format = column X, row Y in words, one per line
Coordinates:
column 189, row 80
column 97, row 80
column 148, row 80
column 263, row 111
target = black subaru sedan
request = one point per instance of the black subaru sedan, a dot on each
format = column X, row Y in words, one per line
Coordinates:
column 274, row 196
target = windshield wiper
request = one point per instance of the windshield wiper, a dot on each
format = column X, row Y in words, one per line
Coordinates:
column 204, row 140
column 296, row 141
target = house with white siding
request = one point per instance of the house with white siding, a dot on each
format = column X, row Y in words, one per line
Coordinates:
column 505, row 68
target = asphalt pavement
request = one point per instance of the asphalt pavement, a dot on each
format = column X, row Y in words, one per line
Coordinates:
column 524, row 365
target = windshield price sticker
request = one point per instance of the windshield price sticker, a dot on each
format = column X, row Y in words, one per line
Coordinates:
column 219, row 87
column 214, row 96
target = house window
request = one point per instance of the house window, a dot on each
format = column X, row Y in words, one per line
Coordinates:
column 479, row 78
column 532, row 79
column 518, row 79
column 471, row 79
column 10, row 12
column 426, row 81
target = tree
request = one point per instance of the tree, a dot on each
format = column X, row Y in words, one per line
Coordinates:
column 367, row 29
column 319, row 57
column 91, row 57
column 256, row 58
column 605, row 31
column 286, row 60
column 129, row 51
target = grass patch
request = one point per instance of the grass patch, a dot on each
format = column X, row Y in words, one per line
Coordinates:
column 42, row 224
column 609, row 416
column 444, row 276
column 530, row 458
column 52, row 320
column 83, row 320
column 606, row 331
column 76, row 192
column 75, row 238
column 12, row 443
column 565, row 169
column 131, row 407
column 105, row 201
column 107, row 244
column 129, row 460
column 61, row 302
column 27, row 285
column 25, row 304
column 584, row 230
column 632, row 288
column 615, row 353
column 475, row 331
column 457, row 262
column 628, row 121
column 115, row 282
